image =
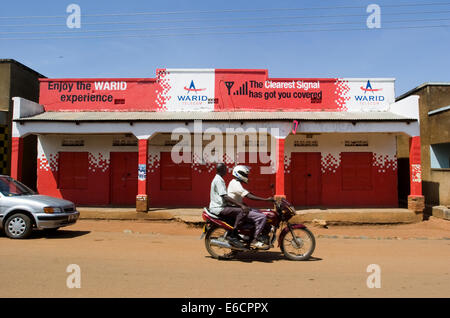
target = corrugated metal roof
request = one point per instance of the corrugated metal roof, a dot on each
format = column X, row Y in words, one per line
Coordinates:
column 215, row 116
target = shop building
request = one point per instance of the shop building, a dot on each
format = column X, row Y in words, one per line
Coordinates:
column 434, row 117
column 327, row 142
column 18, row 80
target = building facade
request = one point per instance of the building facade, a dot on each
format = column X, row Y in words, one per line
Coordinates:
column 19, row 80
column 434, row 117
column 155, row 141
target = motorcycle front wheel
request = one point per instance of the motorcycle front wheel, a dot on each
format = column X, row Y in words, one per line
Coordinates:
column 217, row 252
column 301, row 248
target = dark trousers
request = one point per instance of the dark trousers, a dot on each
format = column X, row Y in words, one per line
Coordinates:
column 259, row 219
column 256, row 217
column 234, row 212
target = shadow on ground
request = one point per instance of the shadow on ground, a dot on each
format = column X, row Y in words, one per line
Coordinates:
column 263, row 257
column 60, row 234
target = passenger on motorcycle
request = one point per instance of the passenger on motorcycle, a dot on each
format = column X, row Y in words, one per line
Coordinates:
column 223, row 206
column 237, row 192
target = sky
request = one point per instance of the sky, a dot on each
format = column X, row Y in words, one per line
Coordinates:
column 301, row 39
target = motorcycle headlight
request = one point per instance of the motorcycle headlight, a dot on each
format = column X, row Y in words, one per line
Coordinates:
column 51, row 210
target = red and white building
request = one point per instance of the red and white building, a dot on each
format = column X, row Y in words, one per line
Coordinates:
column 107, row 141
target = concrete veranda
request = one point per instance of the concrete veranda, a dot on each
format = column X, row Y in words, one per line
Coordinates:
column 193, row 215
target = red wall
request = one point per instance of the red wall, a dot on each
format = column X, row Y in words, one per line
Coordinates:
column 382, row 192
column 95, row 193
column 249, row 92
column 139, row 94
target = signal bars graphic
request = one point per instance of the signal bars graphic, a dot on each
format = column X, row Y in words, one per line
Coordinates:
column 243, row 90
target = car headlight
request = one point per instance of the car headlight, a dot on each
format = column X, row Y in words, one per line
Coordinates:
column 51, row 210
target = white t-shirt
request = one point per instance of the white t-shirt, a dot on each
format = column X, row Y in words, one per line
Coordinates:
column 236, row 191
column 218, row 189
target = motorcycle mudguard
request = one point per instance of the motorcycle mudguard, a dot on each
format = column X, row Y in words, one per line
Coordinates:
column 286, row 231
column 204, row 230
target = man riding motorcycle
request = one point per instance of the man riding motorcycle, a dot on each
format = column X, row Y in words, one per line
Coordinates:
column 237, row 192
column 223, row 205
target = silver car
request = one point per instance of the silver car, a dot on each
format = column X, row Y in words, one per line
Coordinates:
column 22, row 209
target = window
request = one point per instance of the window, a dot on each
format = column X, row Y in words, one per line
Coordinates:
column 72, row 142
column 125, row 142
column 10, row 187
column 73, row 170
column 306, row 143
column 175, row 176
column 356, row 170
column 356, row 143
column 440, row 156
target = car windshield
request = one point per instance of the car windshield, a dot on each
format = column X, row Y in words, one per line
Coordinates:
column 10, row 187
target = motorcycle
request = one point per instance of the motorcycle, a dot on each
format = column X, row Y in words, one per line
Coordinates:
column 296, row 241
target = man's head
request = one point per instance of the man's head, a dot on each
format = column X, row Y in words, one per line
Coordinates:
column 221, row 169
column 241, row 173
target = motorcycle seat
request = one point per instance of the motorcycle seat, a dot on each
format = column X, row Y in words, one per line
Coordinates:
column 228, row 220
column 210, row 214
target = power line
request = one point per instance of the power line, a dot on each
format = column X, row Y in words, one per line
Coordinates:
column 223, row 33
column 226, row 19
column 227, row 11
column 218, row 27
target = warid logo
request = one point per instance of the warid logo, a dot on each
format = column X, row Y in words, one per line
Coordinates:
column 370, row 98
column 193, row 98
column 193, row 89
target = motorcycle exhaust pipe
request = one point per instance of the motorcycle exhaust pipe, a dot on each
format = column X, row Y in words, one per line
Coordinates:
column 225, row 245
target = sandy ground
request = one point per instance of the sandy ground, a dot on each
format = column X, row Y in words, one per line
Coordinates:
column 167, row 259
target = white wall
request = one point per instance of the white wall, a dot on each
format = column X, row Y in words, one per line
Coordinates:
column 408, row 107
column 25, row 108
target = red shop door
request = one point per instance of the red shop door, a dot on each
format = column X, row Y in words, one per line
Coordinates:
column 175, row 176
column 124, row 176
column 306, row 178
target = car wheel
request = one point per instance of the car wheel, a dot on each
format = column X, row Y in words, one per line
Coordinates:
column 18, row 226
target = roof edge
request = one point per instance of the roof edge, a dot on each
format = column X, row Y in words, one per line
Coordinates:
column 423, row 85
column 99, row 117
column 23, row 66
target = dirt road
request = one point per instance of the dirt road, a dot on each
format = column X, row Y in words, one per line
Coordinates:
column 156, row 259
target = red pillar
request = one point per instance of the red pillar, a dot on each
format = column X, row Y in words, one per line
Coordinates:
column 416, row 200
column 415, row 166
column 142, row 198
column 16, row 157
column 279, row 179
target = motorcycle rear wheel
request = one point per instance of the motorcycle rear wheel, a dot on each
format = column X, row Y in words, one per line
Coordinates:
column 217, row 252
column 302, row 251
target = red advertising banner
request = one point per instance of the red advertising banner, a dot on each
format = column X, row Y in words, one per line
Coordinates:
column 97, row 94
column 217, row 90
column 243, row 92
